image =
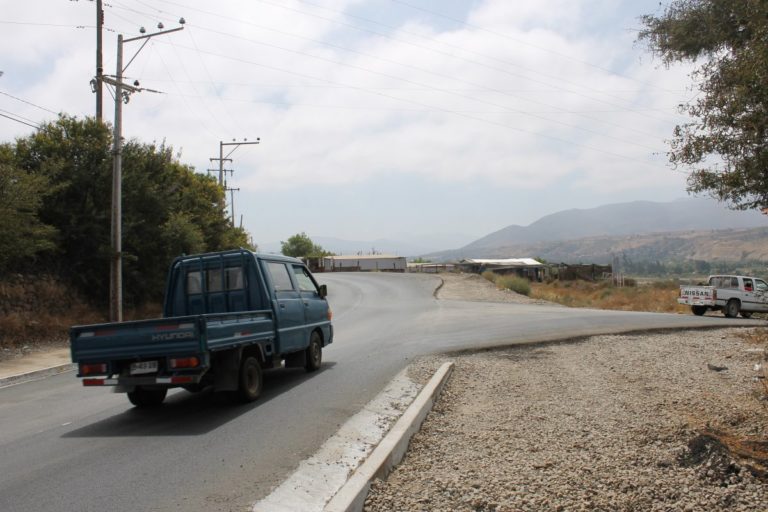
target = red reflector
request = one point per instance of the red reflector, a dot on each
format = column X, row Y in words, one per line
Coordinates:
column 181, row 380
column 184, row 362
column 174, row 327
column 93, row 369
column 93, row 382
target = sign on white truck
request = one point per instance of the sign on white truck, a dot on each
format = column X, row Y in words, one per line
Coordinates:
column 733, row 295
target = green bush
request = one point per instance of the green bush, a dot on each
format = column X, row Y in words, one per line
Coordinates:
column 490, row 276
column 514, row 283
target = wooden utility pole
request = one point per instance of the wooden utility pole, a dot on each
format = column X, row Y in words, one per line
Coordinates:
column 99, row 61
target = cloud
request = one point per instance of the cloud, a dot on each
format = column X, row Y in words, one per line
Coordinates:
column 525, row 95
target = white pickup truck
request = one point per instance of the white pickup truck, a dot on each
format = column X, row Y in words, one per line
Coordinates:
column 733, row 295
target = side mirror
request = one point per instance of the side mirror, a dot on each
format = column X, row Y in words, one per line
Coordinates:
column 323, row 291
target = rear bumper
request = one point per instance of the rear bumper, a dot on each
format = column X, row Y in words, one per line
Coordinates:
column 153, row 380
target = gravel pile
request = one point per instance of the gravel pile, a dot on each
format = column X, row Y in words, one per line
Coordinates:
column 630, row 422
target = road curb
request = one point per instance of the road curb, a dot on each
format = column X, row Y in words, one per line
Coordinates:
column 37, row 374
column 351, row 497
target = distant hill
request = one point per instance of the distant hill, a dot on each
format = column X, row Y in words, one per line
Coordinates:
column 731, row 245
column 679, row 229
column 403, row 245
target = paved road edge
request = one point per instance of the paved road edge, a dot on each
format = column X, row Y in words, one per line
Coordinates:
column 37, row 374
column 391, row 449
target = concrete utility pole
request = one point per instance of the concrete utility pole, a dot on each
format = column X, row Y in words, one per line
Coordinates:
column 122, row 95
column 221, row 159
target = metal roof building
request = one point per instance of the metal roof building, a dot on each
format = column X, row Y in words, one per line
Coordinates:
column 365, row 263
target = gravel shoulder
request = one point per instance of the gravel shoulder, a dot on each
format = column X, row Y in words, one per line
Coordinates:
column 654, row 421
column 475, row 288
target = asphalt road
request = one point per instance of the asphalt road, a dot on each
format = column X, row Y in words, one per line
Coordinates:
column 65, row 447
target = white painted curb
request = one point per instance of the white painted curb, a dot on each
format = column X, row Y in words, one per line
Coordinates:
column 351, row 497
column 36, row 374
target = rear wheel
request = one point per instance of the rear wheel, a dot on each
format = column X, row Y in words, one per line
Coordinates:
column 143, row 397
column 250, row 380
column 732, row 308
column 699, row 310
column 746, row 314
column 314, row 353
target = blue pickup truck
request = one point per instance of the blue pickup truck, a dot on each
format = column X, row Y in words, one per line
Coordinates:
column 227, row 316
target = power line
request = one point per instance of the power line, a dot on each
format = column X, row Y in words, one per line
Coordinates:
column 438, row 109
column 19, row 116
column 444, row 90
column 28, row 102
column 36, row 24
column 519, row 41
column 19, row 121
column 387, row 36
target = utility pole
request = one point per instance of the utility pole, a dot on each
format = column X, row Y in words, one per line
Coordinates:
column 221, row 159
column 232, row 202
column 99, row 64
column 122, row 95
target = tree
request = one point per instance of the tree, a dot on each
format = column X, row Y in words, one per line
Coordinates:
column 168, row 209
column 725, row 146
column 301, row 246
column 22, row 234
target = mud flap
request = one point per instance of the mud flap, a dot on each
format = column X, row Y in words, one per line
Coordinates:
column 296, row 360
column 226, row 370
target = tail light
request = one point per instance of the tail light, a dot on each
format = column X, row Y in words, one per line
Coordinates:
column 93, row 369
column 184, row 362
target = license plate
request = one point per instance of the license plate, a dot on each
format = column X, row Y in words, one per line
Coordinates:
column 143, row 367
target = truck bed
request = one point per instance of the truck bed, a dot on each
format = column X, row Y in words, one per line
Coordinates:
column 163, row 337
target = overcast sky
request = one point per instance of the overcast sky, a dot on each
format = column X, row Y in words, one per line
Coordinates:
column 438, row 121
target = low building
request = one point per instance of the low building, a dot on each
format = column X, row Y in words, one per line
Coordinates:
column 364, row 263
column 523, row 267
column 431, row 268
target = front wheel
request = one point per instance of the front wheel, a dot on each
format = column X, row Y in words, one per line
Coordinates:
column 732, row 308
column 314, row 353
column 143, row 397
column 699, row 310
column 250, row 380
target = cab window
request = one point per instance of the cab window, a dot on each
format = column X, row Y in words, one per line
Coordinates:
column 281, row 280
column 306, row 284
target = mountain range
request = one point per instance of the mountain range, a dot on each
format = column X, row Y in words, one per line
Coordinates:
column 692, row 228
column 687, row 228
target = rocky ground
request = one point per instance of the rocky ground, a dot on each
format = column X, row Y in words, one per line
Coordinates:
column 656, row 421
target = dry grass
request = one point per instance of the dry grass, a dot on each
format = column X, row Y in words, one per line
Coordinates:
column 660, row 297
column 39, row 311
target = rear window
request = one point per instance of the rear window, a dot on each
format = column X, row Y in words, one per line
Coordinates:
column 724, row 282
column 233, row 280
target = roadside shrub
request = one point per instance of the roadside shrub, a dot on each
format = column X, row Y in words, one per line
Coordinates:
column 516, row 284
column 489, row 275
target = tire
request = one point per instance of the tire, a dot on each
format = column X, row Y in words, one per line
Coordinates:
column 143, row 397
column 699, row 310
column 746, row 314
column 251, row 381
column 732, row 308
column 314, row 353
